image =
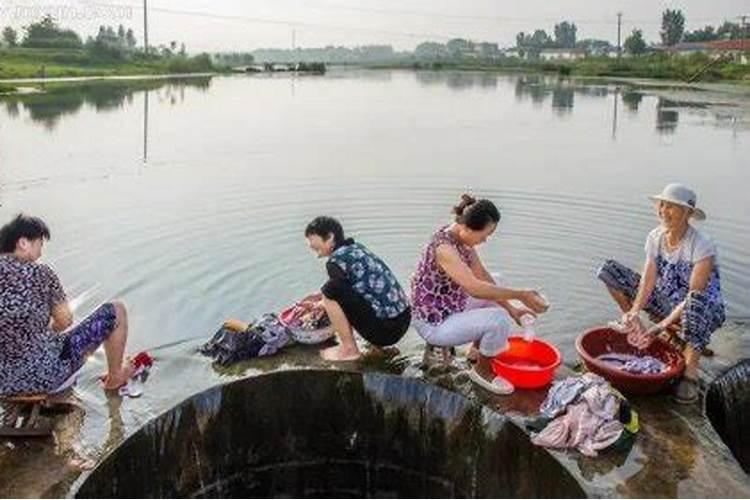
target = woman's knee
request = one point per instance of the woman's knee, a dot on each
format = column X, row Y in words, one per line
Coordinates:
column 607, row 268
column 121, row 312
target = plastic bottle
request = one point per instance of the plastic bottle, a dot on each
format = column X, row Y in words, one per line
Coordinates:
column 527, row 322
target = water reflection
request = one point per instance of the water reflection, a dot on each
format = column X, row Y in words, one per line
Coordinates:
column 667, row 116
column 632, row 100
column 458, row 80
column 53, row 102
column 562, row 91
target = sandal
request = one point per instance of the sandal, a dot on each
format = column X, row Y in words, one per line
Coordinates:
column 499, row 385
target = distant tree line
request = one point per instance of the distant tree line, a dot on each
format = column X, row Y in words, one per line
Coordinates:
column 330, row 54
column 110, row 42
column 673, row 32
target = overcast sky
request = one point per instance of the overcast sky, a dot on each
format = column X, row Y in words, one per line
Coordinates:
column 214, row 25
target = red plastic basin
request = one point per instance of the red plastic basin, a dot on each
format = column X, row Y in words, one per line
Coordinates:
column 527, row 365
column 603, row 340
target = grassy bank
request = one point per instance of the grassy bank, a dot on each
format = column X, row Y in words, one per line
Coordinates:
column 54, row 63
column 657, row 66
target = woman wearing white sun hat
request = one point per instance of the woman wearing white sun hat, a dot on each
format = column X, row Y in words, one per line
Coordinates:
column 680, row 286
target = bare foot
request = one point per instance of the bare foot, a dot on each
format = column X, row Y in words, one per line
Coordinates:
column 116, row 381
column 472, row 356
column 339, row 353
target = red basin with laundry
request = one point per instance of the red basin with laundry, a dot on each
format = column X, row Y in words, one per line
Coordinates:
column 527, row 365
column 603, row 340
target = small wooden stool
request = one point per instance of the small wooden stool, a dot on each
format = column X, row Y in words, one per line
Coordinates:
column 22, row 419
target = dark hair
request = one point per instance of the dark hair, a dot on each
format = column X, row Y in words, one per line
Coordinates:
column 22, row 226
column 476, row 214
column 325, row 226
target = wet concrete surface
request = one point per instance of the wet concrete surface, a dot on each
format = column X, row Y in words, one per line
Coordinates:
column 676, row 454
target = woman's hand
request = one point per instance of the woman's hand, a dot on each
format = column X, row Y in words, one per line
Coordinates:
column 534, row 301
column 518, row 312
column 630, row 316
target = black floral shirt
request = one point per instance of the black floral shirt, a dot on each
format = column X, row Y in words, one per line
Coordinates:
column 30, row 359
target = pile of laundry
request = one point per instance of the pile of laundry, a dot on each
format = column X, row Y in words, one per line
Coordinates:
column 585, row 413
column 264, row 337
column 305, row 322
column 644, row 364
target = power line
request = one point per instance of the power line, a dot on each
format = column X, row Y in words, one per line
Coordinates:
column 394, row 12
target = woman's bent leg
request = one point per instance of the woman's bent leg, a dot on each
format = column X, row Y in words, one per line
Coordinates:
column 700, row 318
column 622, row 284
column 108, row 326
column 347, row 349
column 118, row 369
column 489, row 326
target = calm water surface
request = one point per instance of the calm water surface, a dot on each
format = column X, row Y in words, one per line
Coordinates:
column 189, row 198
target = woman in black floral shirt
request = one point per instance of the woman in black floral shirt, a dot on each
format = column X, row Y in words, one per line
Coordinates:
column 37, row 354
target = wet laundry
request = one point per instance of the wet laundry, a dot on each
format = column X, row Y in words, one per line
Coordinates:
column 584, row 413
column 264, row 337
column 645, row 365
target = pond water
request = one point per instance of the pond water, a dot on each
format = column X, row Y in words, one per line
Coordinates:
column 188, row 198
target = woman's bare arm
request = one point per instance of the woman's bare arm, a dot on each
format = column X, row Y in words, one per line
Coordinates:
column 62, row 317
column 449, row 260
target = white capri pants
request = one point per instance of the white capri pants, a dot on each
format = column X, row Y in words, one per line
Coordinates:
column 483, row 320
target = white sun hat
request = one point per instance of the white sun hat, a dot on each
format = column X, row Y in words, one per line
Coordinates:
column 680, row 194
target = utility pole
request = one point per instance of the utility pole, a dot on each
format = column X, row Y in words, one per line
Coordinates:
column 619, row 34
column 294, row 39
column 145, row 26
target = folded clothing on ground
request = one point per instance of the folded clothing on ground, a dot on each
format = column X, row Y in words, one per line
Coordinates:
column 585, row 413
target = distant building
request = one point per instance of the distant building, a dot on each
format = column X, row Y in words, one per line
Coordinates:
column 487, row 50
column 514, row 52
column 739, row 50
column 562, row 54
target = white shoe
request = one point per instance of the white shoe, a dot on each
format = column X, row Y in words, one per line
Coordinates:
column 499, row 385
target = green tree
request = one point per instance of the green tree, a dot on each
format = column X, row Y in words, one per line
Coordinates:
column 565, row 35
column 10, row 36
column 732, row 31
column 540, row 40
column 707, row 34
column 672, row 26
column 47, row 34
column 130, row 39
column 430, row 51
column 635, row 44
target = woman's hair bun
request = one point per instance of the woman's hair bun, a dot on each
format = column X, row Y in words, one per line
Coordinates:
column 466, row 200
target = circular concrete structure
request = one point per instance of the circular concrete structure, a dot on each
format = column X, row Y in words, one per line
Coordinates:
column 320, row 433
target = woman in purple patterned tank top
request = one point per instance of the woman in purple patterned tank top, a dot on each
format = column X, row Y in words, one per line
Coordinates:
column 456, row 301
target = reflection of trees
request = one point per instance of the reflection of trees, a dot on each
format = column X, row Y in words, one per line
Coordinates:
column 632, row 100
column 531, row 86
column 666, row 116
column 563, row 99
column 563, row 91
column 456, row 80
column 57, row 101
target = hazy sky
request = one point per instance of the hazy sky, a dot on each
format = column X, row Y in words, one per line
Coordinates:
column 249, row 24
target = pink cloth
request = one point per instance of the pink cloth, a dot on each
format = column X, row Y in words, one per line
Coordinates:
column 589, row 425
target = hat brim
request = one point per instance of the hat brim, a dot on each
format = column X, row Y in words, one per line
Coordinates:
column 697, row 214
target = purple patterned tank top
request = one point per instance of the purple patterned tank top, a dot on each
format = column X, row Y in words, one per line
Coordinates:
column 435, row 296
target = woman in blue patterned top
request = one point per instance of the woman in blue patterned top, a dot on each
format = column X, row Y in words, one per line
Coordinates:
column 361, row 294
column 680, row 288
